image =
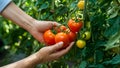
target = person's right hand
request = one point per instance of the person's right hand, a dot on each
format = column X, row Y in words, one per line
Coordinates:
column 50, row 53
column 39, row 27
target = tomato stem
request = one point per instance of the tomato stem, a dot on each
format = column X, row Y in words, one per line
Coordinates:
column 71, row 14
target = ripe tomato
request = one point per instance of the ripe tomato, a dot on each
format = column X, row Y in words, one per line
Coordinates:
column 81, row 4
column 71, row 36
column 60, row 28
column 63, row 28
column 61, row 36
column 87, row 35
column 49, row 37
column 80, row 43
column 74, row 26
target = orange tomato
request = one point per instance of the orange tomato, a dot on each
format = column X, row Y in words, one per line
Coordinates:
column 74, row 26
column 49, row 37
column 61, row 36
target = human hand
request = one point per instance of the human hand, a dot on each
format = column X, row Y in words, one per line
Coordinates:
column 50, row 53
column 39, row 27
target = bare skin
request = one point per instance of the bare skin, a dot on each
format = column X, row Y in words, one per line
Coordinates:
column 36, row 29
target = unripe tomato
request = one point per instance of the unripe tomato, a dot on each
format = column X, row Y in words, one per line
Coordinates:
column 87, row 35
column 81, row 43
column 74, row 26
column 49, row 37
column 61, row 36
column 81, row 4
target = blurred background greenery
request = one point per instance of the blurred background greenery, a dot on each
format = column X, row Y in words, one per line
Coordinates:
column 101, row 51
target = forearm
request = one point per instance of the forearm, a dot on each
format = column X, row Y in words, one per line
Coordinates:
column 29, row 62
column 19, row 17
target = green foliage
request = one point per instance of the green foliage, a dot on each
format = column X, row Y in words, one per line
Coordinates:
column 101, row 51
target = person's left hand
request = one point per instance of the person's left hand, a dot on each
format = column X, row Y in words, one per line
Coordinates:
column 39, row 27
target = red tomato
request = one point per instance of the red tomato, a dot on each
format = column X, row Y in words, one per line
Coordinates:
column 71, row 36
column 63, row 28
column 49, row 37
column 74, row 26
column 61, row 36
column 60, row 28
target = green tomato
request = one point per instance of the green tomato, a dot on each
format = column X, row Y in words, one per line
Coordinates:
column 87, row 35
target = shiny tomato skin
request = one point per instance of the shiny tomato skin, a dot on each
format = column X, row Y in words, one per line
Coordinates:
column 74, row 26
column 62, row 37
column 71, row 36
column 49, row 37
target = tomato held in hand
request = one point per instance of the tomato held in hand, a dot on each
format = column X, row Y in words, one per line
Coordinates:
column 71, row 36
column 49, row 37
column 60, row 28
column 80, row 43
column 74, row 26
column 61, row 36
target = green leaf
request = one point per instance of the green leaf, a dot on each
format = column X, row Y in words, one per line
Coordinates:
column 73, row 5
column 114, row 27
column 83, row 64
column 115, row 60
column 99, row 56
column 43, row 6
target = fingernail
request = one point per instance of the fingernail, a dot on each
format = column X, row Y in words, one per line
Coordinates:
column 60, row 43
column 73, row 42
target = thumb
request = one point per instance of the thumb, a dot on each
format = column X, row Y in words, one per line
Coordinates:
column 57, row 46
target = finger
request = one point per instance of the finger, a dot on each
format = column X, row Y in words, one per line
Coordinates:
column 62, row 52
column 53, row 24
column 55, row 47
column 56, row 24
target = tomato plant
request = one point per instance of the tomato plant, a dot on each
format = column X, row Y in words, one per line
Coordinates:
column 62, row 37
column 74, row 26
column 49, row 37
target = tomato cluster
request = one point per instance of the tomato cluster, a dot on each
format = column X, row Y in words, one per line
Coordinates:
column 86, row 33
column 63, row 33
